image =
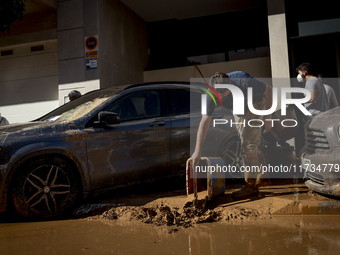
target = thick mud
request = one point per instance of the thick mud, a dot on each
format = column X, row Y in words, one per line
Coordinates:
column 183, row 211
column 175, row 210
column 192, row 212
column 187, row 216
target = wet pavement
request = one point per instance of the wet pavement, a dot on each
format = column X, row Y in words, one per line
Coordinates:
column 286, row 218
column 310, row 235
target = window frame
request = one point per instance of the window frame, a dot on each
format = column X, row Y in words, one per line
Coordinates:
column 171, row 102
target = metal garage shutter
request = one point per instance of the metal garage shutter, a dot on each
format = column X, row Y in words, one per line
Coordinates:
column 28, row 80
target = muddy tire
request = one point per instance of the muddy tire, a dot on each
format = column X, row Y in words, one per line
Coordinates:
column 44, row 188
column 232, row 154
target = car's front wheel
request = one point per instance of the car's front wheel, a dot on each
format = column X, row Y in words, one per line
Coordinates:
column 233, row 156
column 43, row 188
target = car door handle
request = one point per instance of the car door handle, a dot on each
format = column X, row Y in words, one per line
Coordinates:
column 157, row 124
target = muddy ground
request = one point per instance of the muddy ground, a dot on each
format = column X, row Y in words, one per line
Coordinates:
column 285, row 219
column 281, row 235
column 174, row 210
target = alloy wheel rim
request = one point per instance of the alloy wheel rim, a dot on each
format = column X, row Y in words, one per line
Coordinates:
column 234, row 156
column 46, row 189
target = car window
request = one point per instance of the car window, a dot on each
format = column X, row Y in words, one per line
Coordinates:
column 185, row 101
column 139, row 104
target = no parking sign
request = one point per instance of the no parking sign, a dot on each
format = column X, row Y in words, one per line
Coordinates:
column 91, row 52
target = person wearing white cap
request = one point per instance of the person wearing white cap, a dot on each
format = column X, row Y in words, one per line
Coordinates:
column 3, row 121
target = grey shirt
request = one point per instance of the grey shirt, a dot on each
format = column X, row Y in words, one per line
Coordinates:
column 332, row 101
column 321, row 102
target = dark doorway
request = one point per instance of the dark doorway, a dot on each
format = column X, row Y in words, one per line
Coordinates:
column 319, row 50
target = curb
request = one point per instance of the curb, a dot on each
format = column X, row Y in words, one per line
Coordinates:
column 304, row 207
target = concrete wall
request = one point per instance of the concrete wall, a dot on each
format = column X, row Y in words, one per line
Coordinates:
column 257, row 67
column 71, row 41
column 76, row 20
column 123, row 44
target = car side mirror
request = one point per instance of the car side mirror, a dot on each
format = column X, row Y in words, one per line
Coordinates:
column 106, row 118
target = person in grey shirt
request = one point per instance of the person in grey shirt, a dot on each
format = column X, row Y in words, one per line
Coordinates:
column 331, row 98
column 318, row 102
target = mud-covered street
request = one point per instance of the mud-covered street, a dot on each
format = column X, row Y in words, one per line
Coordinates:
column 278, row 235
column 286, row 217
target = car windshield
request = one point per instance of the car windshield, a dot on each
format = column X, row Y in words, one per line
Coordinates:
column 81, row 106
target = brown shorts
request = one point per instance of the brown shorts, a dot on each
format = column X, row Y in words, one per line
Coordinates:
column 251, row 139
column 248, row 134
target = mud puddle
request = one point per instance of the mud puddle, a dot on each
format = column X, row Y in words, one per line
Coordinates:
column 278, row 235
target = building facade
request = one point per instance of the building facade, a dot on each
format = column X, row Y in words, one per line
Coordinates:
column 91, row 44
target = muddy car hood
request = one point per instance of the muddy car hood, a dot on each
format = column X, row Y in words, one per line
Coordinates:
column 28, row 129
column 328, row 122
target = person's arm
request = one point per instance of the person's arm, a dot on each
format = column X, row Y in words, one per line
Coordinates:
column 312, row 86
column 201, row 134
column 268, row 95
column 313, row 96
column 333, row 102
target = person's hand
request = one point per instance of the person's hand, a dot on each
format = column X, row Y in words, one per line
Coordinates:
column 267, row 124
column 195, row 158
